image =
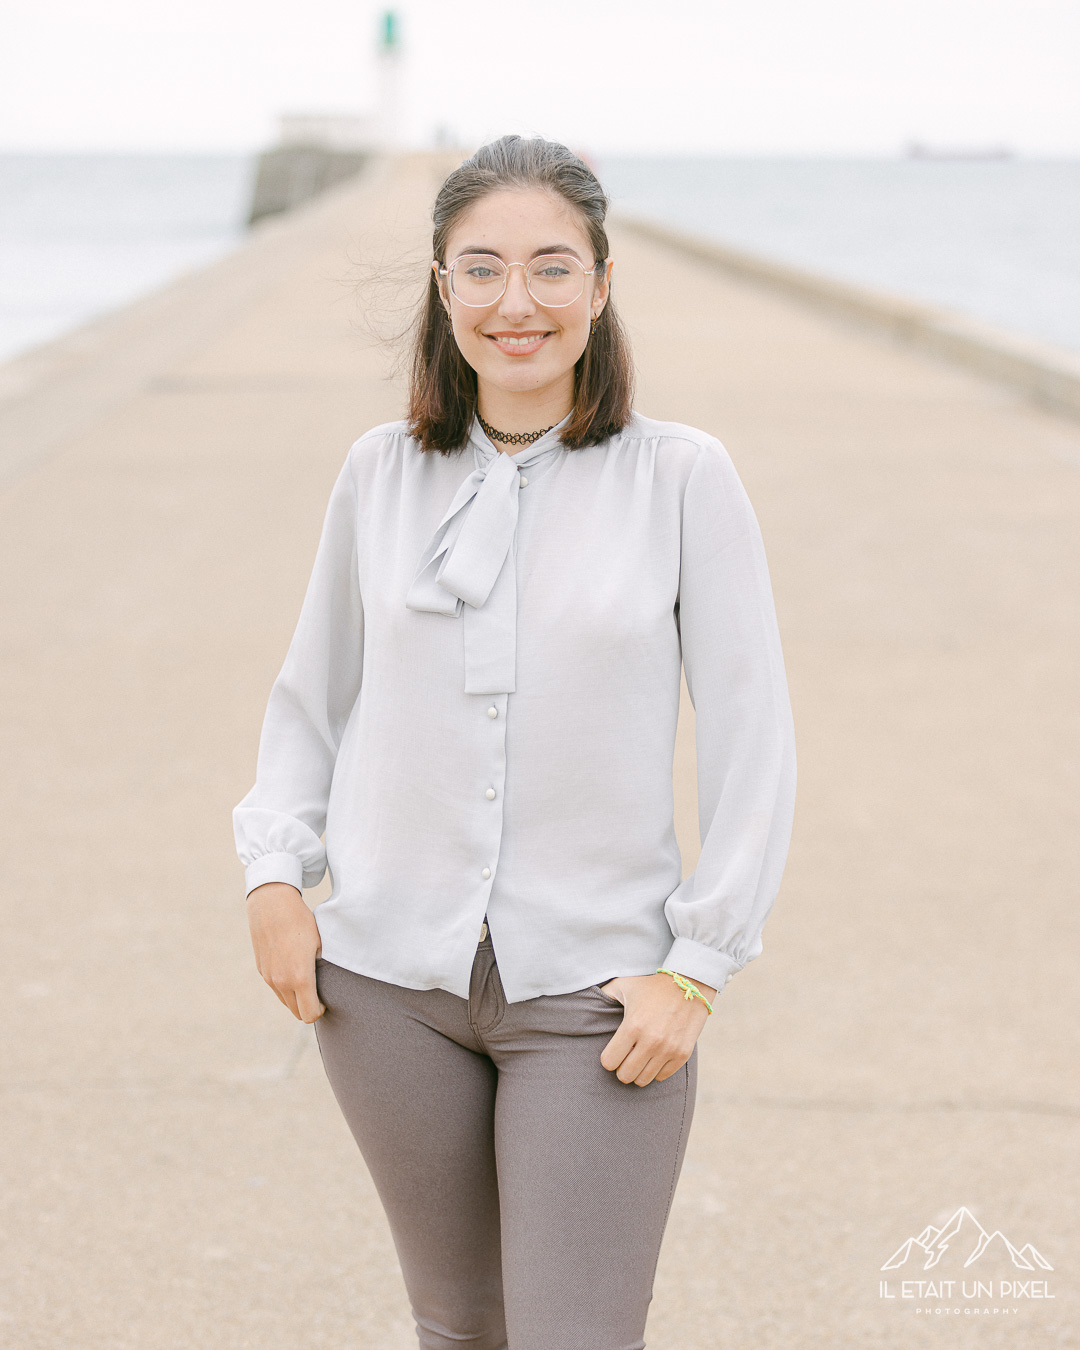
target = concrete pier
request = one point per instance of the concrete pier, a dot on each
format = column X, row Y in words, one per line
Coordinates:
column 176, row 1173
column 289, row 175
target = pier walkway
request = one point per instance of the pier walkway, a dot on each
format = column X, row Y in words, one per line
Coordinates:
column 176, row 1173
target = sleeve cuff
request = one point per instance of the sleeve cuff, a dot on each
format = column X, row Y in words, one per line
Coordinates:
column 698, row 962
column 274, row 867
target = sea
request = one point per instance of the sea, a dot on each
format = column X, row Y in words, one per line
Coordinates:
column 997, row 238
column 81, row 235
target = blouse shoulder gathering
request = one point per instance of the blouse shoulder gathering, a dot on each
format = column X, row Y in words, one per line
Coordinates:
column 685, row 449
column 641, row 427
column 678, row 442
column 715, row 503
column 385, row 436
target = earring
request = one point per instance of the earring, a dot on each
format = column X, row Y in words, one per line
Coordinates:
column 592, row 326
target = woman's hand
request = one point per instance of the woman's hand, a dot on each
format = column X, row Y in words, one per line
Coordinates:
column 659, row 1028
column 286, row 941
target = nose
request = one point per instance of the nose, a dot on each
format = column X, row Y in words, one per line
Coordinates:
column 516, row 302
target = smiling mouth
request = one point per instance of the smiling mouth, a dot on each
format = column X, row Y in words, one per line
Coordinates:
column 519, row 344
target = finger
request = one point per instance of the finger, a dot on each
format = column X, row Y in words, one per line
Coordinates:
column 673, row 1065
column 288, row 997
column 660, row 1062
column 616, row 1050
column 634, row 1064
column 278, row 994
column 651, row 1069
column 307, row 1000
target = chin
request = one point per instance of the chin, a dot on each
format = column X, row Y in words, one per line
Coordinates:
column 520, row 378
column 520, row 381
column 520, row 374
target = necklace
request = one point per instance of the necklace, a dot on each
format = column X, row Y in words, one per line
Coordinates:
column 512, row 437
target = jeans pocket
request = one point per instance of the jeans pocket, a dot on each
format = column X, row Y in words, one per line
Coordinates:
column 595, row 989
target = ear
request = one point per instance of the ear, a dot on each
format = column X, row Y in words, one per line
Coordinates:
column 602, row 287
column 442, row 289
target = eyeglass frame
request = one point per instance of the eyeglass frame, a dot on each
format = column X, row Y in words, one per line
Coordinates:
column 442, row 271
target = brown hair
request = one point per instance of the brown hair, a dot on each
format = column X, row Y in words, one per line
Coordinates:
column 442, row 386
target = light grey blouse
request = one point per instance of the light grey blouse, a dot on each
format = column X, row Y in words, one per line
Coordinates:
column 479, row 704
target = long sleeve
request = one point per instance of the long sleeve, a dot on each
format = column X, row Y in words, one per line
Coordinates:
column 745, row 737
column 278, row 825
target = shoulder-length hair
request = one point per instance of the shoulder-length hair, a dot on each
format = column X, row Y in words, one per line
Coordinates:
column 442, row 386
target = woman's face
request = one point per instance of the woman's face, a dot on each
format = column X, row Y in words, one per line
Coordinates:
column 517, row 225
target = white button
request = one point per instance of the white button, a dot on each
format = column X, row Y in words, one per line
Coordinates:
column 486, row 873
column 522, row 480
column 493, row 712
column 490, row 794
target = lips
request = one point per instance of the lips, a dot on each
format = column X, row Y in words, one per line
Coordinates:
column 518, row 344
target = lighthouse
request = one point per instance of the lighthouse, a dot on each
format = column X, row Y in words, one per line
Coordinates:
column 316, row 150
column 389, row 107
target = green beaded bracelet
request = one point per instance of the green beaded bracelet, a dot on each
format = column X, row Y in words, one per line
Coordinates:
column 686, row 985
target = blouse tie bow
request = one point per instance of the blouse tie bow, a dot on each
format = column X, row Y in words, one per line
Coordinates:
column 469, row 566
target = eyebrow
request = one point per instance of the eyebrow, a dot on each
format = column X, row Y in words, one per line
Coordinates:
column 540, row 252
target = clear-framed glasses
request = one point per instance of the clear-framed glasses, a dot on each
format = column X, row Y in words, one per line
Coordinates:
column 479, row 279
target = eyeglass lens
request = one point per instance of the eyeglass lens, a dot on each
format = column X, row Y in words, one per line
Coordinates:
column 553, row 280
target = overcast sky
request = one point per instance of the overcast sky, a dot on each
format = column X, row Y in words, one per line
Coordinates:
column 760, row 76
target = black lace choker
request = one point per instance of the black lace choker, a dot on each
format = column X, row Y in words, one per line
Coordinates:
column 513, row 437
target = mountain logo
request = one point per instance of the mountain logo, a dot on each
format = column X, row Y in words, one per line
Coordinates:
column 963, row 1235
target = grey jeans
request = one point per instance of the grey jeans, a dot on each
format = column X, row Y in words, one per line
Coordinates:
column 527, row 1189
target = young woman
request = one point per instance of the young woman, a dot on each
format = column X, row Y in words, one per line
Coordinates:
column 479, row 708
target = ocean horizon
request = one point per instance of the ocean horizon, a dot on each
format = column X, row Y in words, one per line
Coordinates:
column 997, row 239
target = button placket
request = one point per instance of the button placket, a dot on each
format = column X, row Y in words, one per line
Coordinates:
column 493, row 710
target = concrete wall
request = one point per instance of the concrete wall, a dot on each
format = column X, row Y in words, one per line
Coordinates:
column 291, row 174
